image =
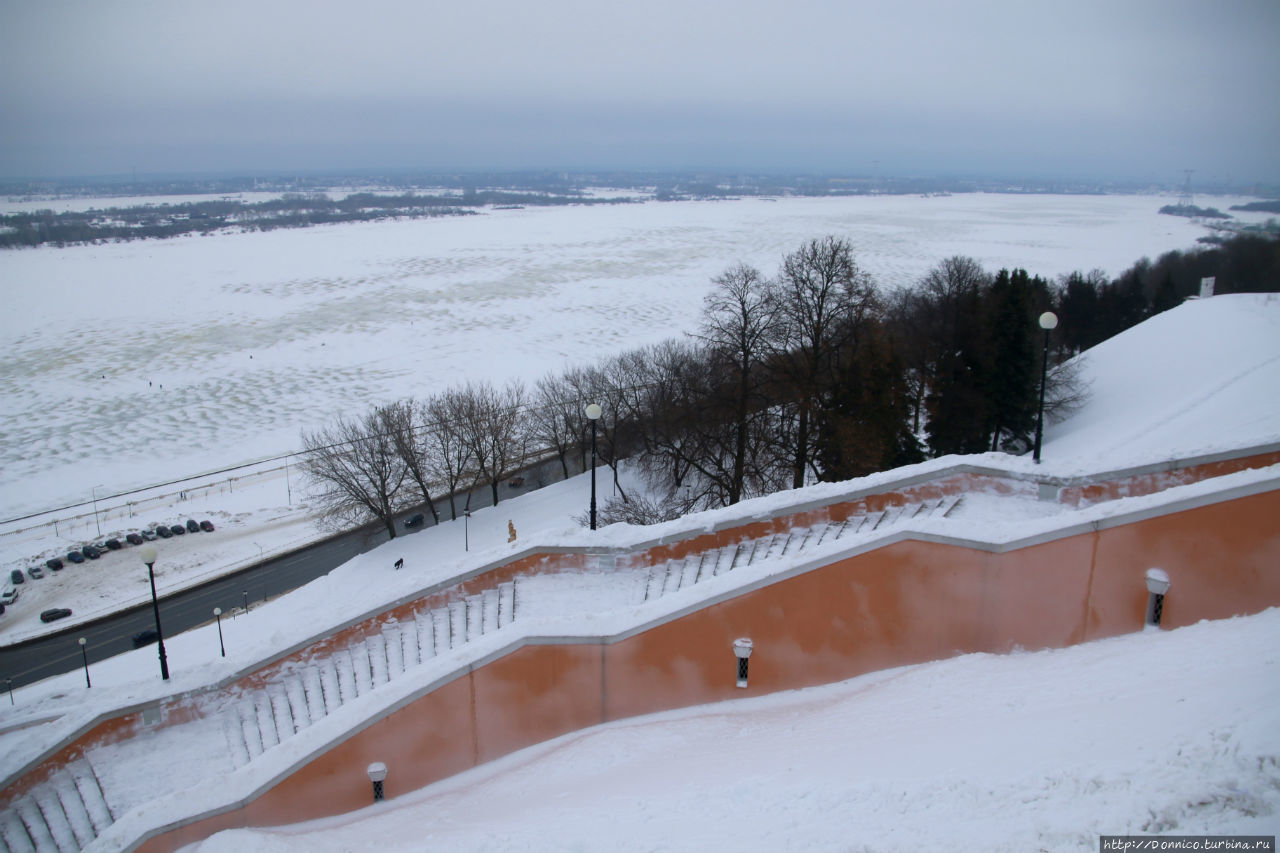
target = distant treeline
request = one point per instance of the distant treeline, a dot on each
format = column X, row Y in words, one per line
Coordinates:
column 291, row 210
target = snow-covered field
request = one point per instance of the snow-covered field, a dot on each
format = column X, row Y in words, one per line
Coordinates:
column 1161, row 732
column 131, row 364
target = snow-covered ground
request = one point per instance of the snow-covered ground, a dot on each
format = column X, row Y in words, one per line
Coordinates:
column 126, row 365
column 1155, row 733
column 1166, row 732
column 1202, row 378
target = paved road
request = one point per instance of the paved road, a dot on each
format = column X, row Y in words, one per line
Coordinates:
column 33, row 660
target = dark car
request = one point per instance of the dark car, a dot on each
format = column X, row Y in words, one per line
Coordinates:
column 178, row 530
column 193, row 526
column 113, row 544
column 134, row 539
column 35, row 572
column 55, row 613
column 142, row 638
column 17, row 576
column 91, row 551
column 206, row 526
column 163, row 532
column 54, row 564
column 414, row 521
column 75, row 557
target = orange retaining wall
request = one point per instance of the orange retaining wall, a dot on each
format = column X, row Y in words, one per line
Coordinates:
column 905, row 603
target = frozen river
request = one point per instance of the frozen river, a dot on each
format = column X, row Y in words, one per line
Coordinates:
column 130, row 364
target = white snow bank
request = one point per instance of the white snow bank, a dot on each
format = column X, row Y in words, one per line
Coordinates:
column 1199, row 378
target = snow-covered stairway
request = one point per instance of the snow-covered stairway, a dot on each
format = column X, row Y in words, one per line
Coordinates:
column 264, row 717
column 673, row 575
column 60, row 815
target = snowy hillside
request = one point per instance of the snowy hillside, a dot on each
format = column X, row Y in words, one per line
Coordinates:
column 1199, row 378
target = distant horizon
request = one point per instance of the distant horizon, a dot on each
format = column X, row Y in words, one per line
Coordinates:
column 582, row 175
column 1137, row 91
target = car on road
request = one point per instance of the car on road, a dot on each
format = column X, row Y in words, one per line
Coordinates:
column 193, row 526
column 35, row 572
column 17, row 576
column 178, row 530
column 113, row 544
column 91, row 551
column 54, row 564
column 206, row 526
column 143, row 638
column 163, row 532
column 134, row 539
column 75, row 557
column 414, row 521
column 55, row 613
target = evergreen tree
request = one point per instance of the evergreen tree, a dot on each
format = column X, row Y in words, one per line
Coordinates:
column 1011, row 380
column 864, row 422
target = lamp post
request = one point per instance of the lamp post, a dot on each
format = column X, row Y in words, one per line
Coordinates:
column 148, row 554
column 466, row 530
column 1048, row 322
column 85, row 655
column 94, row 491
column 377, row 775
column 217, row 614
column 593, row 414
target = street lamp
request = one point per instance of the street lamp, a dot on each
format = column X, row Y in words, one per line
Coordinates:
column 466, row 530
column 593, row 414
column 94, row 490
column 217, row 614
column 148, row 555
column 1048, row 322
column 82, row 641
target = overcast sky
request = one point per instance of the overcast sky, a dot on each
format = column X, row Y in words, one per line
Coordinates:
column 1140, row 89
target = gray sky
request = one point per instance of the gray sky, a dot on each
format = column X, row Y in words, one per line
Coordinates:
column 1119, row 88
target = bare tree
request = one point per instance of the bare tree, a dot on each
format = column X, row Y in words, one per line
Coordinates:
column 357, row 470
column 554, row 419
column 739, row 320
column 404, row 422
column 823, row 300
column 492, row 429
column 448, row 459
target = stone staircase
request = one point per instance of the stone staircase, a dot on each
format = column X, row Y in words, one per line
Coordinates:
column 61, row 815
column 69, row 810
column 265, row 717
column 673, row 575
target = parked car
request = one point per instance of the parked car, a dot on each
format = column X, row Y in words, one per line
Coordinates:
column 91, row 551
column 414, row 521
column 192, row 526
column 17, row 576
column 55, row 613
column 113, row 544
column 9, row 595
column 75, row 557
column 1, row 608
column 178, row 530
column 35, row 572
column 163, row 532
column 148, row 535
column 142, row 638
column 54, row 564
column 206, row 526
column 134, row 539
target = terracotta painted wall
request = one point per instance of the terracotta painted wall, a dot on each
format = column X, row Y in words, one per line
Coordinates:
column 906, row 603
